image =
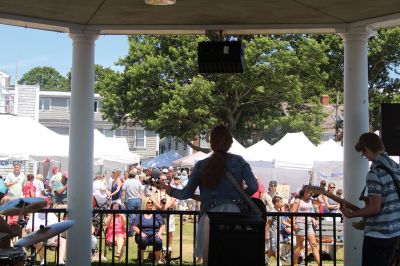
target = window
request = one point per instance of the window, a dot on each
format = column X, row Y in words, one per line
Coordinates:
column 185, row 146
column 109, row 133
column 140, row 138
column 44, row 104
column 68, row 105
column 96, row 106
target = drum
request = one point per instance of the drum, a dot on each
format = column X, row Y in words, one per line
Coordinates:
column 4, row 240
column 11, row 256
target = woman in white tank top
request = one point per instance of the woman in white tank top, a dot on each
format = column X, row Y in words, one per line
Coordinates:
column 304, row 205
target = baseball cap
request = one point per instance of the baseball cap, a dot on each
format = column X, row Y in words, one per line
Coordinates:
column 170, row 168
column 184, row 173
column 165, row 170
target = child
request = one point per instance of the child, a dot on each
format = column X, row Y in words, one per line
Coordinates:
column 272, row 228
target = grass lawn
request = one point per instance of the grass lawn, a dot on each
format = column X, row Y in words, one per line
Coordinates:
column 187, row 248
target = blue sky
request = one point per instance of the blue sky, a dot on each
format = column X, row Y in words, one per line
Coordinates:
column 32, row 48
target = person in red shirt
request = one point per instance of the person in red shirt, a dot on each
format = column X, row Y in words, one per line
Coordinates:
column 118, row 230
column 29, row 189
column 260, row 191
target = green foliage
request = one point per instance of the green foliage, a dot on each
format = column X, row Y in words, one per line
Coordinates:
column 383, row 71
column 383, row 65
column 160, row 88
column 47, row 78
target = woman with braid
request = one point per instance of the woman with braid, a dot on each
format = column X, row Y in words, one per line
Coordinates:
column 217, row 194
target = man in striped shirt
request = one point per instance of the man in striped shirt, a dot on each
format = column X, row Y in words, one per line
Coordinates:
column 382, row 213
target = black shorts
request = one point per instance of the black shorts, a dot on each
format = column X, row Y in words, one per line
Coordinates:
column 378, row 251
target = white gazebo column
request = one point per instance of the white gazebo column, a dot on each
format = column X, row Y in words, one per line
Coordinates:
column 81, row 148
column 356, row 122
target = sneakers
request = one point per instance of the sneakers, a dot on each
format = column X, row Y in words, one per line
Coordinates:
column 160, row 262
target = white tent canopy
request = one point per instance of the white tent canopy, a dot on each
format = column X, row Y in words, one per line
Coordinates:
column 294, row 151
column 260, row 154
column 161, row 160
column 236, row 148
column 328, row 163
column 25, row 139
column 188, row 161
column 289, row 161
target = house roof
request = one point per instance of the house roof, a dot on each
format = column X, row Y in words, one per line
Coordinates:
column 198, row 16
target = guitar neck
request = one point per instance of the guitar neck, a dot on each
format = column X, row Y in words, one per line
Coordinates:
column 341, row 201
column 159, row 185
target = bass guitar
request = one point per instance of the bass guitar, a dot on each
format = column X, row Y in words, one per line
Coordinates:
column 319, row 190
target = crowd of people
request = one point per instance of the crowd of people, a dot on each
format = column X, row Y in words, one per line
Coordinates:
column 179, row 188
column 132, row 190
column 129, row 190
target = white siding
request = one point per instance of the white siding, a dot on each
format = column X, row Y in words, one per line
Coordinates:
column 27, row 100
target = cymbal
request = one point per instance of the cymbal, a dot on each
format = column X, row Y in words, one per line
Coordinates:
column 28, row 205
column 44, row 233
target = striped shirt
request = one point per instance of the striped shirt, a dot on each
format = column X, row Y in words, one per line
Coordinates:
column 385, row 224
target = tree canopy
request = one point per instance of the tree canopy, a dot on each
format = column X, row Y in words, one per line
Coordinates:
column 160, row 88
column 383, row 69
column 48, row 78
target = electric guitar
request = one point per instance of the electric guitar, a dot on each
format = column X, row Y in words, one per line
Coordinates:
column 319, row 190
column 161, row 185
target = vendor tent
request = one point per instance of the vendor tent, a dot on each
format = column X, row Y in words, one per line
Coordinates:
column 162, row 160
column 260, row 156
column 188, row 161
column 26, row 139
column 294, row 151
column 294, row 159
column 23, row 137
column 328, row 163
column 236, row 148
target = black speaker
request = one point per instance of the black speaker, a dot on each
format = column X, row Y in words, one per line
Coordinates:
column 233, row 239
column 390, row 127
column 220, row 57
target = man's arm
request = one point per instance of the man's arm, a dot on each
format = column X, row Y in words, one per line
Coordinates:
column 371, row 209
column 8, row 182
column 61, row 190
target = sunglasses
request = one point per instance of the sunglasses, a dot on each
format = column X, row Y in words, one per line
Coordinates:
column 272, row 185
column 150, row 202
column 332, row 187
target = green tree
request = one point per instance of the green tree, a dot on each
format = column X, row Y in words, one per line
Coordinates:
column 383, row 69
column 48, row 78
column 161, row 88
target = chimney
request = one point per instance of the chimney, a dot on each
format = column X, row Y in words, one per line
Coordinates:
column 324, row 99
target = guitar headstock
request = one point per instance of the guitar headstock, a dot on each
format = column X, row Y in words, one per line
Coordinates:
column 314, row 189
column 157, row 184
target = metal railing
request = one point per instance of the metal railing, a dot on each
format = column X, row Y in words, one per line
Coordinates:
column 178, row 258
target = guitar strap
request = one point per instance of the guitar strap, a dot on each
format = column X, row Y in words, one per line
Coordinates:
column 243, row 194
column 393, row 175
